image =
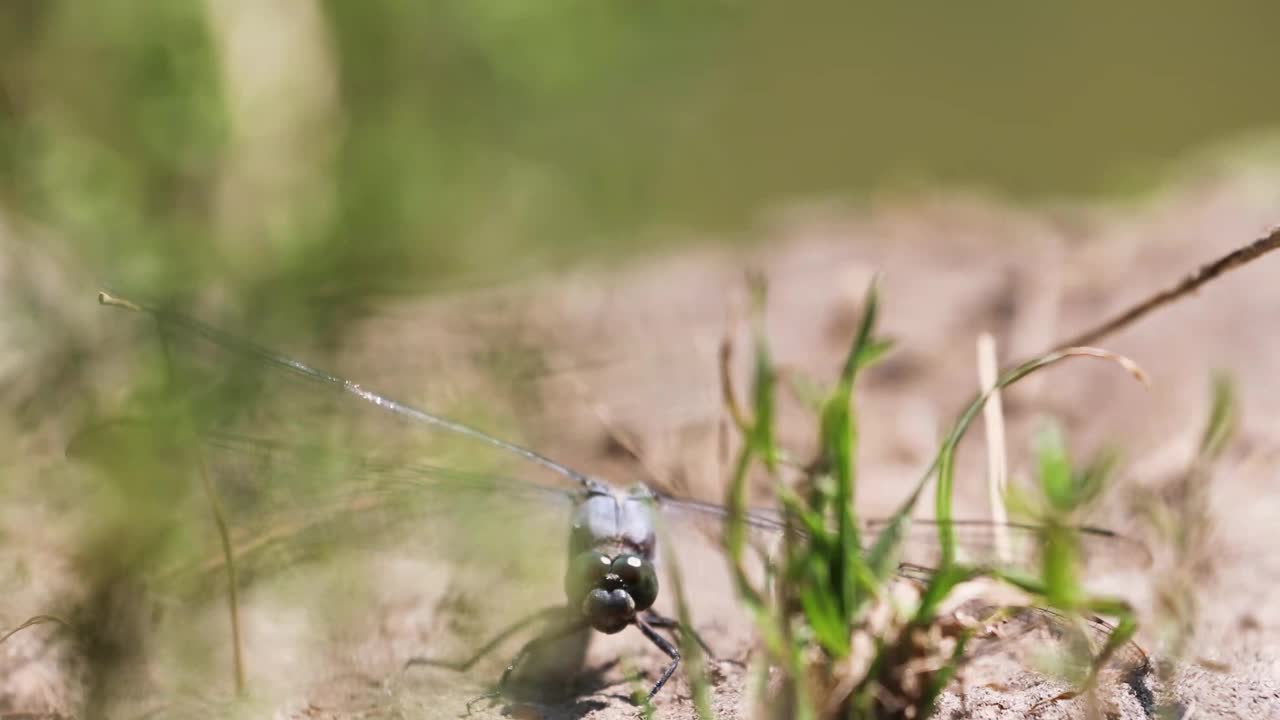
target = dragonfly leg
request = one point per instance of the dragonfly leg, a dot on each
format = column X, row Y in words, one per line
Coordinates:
column 658, row 620
column 568, row 626
column 515, row 627
column 665, row 646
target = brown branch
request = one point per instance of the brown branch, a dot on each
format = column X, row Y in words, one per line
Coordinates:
column 1189, row 284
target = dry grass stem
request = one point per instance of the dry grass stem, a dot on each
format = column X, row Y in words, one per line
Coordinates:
column 233, row 590
column 1235, row 259
column 1128, row 364
column 31, row 622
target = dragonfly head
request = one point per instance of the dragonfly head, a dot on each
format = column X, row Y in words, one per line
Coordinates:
column 611, row 590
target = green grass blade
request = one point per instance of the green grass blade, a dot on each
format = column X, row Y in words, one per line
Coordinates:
column 764, row 385
column 875, row 350
column 1091, row 480
column 839, row 438
column 1223, row 417
column 863, row 344
column 735, row 528
column 838, row 442
column 810, row 522
column 882, row 558
column 824, row 616
column 945, row 461
column 1054, row 468
column 1115, row 607
column 1060, row 566
column 690, row 649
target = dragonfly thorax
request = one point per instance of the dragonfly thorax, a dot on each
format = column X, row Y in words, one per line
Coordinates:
column 604, row 517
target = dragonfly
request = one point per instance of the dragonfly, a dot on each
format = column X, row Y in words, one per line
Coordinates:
column 611, row 583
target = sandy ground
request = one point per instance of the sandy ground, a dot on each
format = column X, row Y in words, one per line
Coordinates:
column 632, row 354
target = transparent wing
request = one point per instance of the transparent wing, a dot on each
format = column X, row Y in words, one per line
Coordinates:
column 287, row 503
column 978, row 541
column 251, row 376
column 342, row 465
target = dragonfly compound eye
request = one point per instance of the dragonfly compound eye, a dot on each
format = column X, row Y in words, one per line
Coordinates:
column 585, row 573
column 638, row 578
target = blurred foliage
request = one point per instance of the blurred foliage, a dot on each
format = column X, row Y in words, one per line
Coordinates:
column 457, row 142
column 298, row 160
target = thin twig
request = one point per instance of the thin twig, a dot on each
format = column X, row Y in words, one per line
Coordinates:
column 1189, row 284
column 233, row 591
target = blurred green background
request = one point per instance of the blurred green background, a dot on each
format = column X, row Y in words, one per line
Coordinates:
column 333, row 149
column 298, row 160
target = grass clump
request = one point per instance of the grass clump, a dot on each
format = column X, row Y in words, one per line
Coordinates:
column 1180, row 514
column 840, row 632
